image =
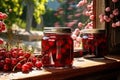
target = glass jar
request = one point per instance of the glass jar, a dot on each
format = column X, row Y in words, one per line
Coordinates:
column 57, row 47
column 94, row 42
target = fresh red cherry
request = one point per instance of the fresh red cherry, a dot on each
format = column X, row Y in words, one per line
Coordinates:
column 38, row 64
column 25, row 68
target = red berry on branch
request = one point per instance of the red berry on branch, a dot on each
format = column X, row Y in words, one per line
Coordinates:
column 3, row 16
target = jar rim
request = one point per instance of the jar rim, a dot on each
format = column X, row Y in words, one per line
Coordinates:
column 57, row 29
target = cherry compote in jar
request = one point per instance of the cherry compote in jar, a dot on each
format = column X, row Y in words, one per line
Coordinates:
column 94, row 42
column 57, row 47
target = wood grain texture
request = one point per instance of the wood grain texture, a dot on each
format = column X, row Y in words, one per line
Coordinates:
column 81, row 66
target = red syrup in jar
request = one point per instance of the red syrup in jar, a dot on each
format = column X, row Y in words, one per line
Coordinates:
column 57, row 47
column 94, row 42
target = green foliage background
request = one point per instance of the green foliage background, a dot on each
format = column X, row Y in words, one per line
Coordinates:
column 14, row 9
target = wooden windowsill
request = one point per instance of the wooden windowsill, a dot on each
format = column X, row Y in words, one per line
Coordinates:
column 81, row 66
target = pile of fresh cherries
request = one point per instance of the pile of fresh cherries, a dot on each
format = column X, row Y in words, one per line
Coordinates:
column 16, row 59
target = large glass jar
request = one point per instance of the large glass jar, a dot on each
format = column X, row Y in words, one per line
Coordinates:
column 57, row 47
column 94, row 42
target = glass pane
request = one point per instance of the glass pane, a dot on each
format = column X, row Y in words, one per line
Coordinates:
column 69, row 13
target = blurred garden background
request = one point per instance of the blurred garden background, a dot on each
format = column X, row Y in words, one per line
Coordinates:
column 27, row 18
column 36, row 14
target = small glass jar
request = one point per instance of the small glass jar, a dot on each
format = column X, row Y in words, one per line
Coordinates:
column 94, row 42
column 57, row 47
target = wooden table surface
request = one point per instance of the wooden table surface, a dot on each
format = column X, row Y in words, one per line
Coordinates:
column 81, row 66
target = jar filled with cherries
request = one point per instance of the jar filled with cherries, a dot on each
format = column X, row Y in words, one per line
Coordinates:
column 57, row 47
column 94, row 42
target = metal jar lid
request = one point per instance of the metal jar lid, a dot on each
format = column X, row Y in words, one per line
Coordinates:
column 93, row 31
column 57, row 29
